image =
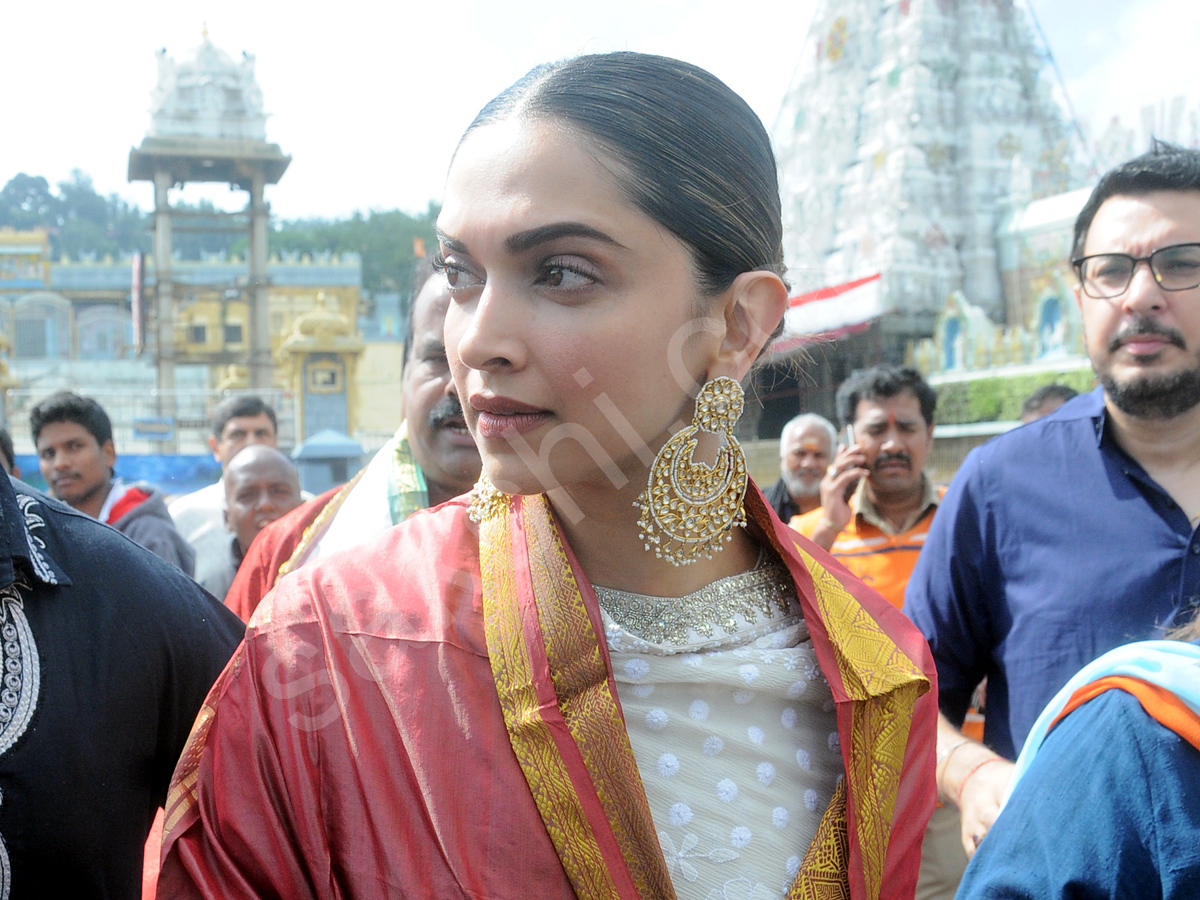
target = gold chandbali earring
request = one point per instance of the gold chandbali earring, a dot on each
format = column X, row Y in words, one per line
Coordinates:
column 690, row 508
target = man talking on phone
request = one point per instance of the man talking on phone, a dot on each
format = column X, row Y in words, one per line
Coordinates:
column 876, row 502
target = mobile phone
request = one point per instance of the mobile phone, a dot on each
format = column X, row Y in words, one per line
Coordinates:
column 848, row 441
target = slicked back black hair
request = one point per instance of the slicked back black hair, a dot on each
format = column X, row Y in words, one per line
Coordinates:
column 698, row 160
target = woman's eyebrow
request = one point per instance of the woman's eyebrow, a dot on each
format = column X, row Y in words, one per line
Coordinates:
column 451, row 243
column 526, row 240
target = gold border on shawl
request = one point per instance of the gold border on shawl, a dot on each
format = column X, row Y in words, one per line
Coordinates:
column 825, row 872
column 589, row 709
column 535, row 749
column 879, row 736
column 869, row 661
column 884, row 685
column 181, row 795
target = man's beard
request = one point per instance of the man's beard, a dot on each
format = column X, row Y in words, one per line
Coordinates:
column 797, row 487
column 1155, row 397
column 1152, row 396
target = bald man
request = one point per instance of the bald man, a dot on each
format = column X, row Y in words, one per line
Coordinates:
column 261, row 484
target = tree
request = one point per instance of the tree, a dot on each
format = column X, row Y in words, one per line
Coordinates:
column 384, row 240
column 81, row 222
column 78, row 219
column 26, row 203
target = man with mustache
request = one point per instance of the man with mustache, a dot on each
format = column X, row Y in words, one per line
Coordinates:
column 805, row 449
column 876, row 508
column 876, row 503
column 1065, row 538
column 431, row 459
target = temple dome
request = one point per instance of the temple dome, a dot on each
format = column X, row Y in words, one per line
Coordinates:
column 208, row 96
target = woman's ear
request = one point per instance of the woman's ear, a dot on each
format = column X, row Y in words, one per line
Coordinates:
column 749, row 310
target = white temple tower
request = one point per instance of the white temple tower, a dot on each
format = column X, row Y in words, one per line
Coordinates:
column 908, row 126
column 209, row 96
column 207, row 125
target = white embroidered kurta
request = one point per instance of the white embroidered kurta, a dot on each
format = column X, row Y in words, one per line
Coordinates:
column 733, row 728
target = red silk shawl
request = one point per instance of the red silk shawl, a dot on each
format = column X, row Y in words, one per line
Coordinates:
column 421, row 717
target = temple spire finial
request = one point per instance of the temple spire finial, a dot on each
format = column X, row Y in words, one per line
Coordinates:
column 208, row 94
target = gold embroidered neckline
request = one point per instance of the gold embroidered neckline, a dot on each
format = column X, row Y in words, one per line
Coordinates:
column 765, row 593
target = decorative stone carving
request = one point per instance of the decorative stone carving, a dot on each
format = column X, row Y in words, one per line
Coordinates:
column 900, row 123
column 208, row 96
column 320, row 357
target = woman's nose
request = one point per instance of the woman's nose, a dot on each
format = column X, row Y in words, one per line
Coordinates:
column 492, row 335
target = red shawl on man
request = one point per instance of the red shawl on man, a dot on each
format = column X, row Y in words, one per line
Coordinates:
column 273, row 547
column 434, row 715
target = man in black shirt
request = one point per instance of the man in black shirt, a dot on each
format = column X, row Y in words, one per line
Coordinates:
column 107, row 654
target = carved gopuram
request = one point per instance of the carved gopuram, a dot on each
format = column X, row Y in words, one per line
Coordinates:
column 909, row 132
column 898, row 143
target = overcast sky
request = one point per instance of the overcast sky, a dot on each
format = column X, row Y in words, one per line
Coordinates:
column 369, row 98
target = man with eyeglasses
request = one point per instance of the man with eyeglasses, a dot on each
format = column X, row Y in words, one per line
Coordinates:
column 1077, row 533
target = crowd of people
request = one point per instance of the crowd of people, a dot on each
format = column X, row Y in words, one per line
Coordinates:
column 552, row 640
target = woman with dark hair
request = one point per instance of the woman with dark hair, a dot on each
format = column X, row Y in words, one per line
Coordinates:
column 610, row 671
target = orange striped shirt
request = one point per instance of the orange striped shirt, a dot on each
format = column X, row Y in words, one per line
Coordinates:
column 881, row 559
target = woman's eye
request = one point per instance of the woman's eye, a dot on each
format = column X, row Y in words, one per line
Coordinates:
column 459, row 278
column 564, row 277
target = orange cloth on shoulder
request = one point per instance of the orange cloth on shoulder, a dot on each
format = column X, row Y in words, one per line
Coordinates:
column 1159, row 703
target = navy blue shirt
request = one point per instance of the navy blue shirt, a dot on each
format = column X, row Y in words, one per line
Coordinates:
column 1051, row 547
column 1109, row 808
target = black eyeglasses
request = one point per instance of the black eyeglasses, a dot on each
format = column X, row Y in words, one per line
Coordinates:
column 1107, row 275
